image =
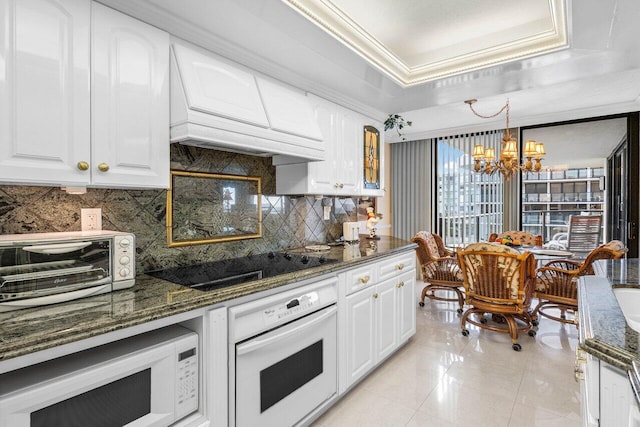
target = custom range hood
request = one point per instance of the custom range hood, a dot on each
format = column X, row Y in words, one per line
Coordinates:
column 216, row 103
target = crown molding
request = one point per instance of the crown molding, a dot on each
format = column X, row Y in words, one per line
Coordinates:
column 335, row 22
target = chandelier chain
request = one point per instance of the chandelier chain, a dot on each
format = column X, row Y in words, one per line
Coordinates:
column 506, row 106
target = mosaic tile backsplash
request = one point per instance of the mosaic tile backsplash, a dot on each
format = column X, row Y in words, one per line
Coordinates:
column 287, row 222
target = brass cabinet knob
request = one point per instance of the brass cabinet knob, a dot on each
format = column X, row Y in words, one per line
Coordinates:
column 364, row 279
column 83, row 166
column 375, row 295
column 400, row 266
column 103, row 167
column 401, row 284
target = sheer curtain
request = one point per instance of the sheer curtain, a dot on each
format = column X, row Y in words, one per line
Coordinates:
column 435, row 188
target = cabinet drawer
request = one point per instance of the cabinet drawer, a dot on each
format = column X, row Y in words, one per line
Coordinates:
column 360, row 278
column 391, row 267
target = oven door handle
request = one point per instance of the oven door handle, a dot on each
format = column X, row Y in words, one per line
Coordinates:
column 62, row 248
column 259, row 343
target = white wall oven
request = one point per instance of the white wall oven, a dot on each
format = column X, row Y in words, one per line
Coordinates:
column 146, row 380
column 284, row 355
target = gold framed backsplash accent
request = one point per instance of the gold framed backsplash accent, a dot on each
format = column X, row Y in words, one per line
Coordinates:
column 210, row 208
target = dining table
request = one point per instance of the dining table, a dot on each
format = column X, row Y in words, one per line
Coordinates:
column 543, row 256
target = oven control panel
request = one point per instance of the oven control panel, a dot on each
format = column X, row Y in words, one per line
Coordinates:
column 291, row 309
column 124, row 263
column 248, row 319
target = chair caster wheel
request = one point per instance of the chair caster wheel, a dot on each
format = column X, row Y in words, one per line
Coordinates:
column 465, row 332
column 532, row 333
column 535, row 322
column 516, row 347
column 459, row 311
column 483, row 321
column 421, row 304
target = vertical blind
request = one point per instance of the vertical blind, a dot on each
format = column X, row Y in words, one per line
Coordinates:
column 412, row 174
column 435, row 188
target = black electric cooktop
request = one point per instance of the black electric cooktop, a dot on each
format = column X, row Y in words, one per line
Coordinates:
column 229, row 272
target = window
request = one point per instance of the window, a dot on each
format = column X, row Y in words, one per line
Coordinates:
column 469, row 204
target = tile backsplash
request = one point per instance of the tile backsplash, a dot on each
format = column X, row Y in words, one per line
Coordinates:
column 287, row 222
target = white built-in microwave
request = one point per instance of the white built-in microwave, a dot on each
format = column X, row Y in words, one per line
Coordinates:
column 146, row 380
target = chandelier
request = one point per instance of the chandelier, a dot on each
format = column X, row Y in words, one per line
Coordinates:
column 485, row 160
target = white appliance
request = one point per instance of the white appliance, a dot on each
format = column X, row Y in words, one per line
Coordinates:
column 285, row 352
column 216, row 103
column 146, row 380
column 351, row 231
column 46, row 268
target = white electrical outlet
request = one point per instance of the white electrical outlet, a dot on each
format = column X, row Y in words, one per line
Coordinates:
column 91, row 219
column 327, row 212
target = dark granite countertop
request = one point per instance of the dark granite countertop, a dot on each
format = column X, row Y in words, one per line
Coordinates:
column 604, row 330
column 30, row 330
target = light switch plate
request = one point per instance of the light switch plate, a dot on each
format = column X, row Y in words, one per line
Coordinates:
column 91, row 219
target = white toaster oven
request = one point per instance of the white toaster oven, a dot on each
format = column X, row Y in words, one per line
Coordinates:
column 46, row 268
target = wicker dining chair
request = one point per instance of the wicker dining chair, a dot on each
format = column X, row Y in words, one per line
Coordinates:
column 440, row 269
column 557, row 282
column 498, row 280
column 524, row 237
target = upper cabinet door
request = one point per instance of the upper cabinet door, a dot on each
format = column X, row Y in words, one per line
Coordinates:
column 214, row 86
column 44, row 91
column 130, row 101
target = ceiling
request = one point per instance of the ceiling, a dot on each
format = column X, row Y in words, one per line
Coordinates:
column 413, row 41
column 598, row 74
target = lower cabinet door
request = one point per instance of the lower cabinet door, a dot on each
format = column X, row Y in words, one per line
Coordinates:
column 406, row 306
column 360, row 334
column 386, row 306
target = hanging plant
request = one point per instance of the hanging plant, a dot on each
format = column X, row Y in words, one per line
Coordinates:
column 397, row 122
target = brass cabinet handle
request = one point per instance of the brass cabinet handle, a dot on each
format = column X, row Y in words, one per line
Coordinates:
column 375, row 295
column 400, row 266
column 399, row 285
column 83, row 166
column 103, row 167
column 364, row 279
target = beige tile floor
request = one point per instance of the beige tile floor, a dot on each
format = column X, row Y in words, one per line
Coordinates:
column 441, row 378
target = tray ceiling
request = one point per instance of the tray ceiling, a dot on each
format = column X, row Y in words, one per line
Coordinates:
column 413, row 41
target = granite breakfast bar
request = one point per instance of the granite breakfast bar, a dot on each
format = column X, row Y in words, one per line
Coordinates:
column 609, row 346
column 607, row 334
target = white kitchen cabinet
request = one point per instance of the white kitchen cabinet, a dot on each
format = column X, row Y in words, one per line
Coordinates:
column 616, row 398
column 44, row 90
column 341, row 173
column 407, row 307
column 56, row 127
column 378, row 315
column 129, row 102
column 360, row 331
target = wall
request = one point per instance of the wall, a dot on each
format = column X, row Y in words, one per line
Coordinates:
column 287, row 222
